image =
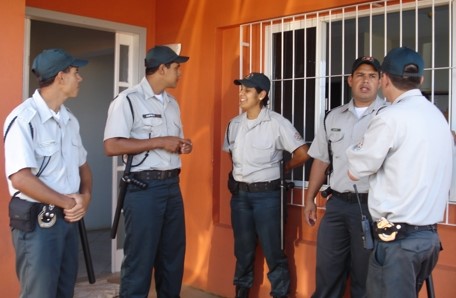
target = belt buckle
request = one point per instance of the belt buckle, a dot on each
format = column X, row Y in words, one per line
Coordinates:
column 47, row 217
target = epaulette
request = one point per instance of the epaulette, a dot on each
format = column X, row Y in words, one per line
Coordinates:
column 26, row 114
column 324, row 119
column 379, row 109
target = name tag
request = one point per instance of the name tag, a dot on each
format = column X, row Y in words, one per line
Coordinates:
column 152, row 115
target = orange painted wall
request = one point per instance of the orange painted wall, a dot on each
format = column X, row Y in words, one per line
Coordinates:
column 209, row 33
column 133, row 12
column 11, row 47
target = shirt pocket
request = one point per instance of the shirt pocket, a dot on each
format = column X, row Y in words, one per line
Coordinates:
column 337, row 145
column 262, row 150
column 77, row 151
column 45, row 152
column 152, row 126
column 46, row 148
column 175, row 128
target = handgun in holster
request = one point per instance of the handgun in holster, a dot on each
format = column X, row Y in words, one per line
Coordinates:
column 386, row 230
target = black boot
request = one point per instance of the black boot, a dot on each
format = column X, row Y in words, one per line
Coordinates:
column 242, row 292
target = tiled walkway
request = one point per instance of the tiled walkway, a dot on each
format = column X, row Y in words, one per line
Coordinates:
column 107, row 284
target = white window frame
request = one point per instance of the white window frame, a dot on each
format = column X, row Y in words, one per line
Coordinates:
column 320, row 19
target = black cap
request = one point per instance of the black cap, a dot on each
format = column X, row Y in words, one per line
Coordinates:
column 366, row 60
column 49, row 62
column 162, row 55
column 255, row 80
column 398, row 58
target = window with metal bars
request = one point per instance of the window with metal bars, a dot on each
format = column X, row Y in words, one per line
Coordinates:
column 308, row 57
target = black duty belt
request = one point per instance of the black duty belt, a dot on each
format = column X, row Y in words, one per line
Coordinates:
column 399, row 231
column 156, row 174
column 259, row 186
column 406, row 228
column 57, row 210
column 350, row 197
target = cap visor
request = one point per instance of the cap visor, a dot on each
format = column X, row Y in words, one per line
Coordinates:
column 79, row 62
column 181, row 59
column 246, row 83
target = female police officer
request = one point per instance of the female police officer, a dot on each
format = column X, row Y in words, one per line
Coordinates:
column 256, row 140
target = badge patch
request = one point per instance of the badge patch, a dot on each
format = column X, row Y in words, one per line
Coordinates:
column 358, row 146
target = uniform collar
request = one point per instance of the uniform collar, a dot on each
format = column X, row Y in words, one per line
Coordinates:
column 409, row 93
column 44, row 111
column 262, row 116
column 374, row 106
column 149, row 93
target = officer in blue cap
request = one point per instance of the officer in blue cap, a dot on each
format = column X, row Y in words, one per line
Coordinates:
column 407, row 155
column 144, row 123
column 49, row 179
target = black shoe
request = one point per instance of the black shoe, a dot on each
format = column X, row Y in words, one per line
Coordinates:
column 242, row 292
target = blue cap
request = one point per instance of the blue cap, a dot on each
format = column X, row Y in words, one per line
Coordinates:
column 162, row 55
column 398, row 58
column 49, row 62
column 255, row 80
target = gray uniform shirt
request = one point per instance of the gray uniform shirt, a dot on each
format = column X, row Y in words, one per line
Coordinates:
column 55, row 145
column 257, row 145
column 407, row 152
column 152, row 119
column 343, row 128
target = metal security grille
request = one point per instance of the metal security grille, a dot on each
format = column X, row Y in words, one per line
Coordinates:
column 309, row 56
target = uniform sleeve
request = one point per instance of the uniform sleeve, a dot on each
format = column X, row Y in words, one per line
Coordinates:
column 290, row 138
column 82, row 152
column 19, row 152
column 367, row 157
column 453, row 178
column 226, row 145
column 319, row 146
column 179, row 120
column 120, row 119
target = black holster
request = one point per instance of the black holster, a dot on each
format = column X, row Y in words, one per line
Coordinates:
column 233, row 185
column 23, row 214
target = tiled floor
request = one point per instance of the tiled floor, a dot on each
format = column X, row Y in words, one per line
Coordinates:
column 107, row 284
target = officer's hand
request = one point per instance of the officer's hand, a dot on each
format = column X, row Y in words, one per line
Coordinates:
column 172, row 144
column 310, row 213
column 79, row 210
column 186, row 146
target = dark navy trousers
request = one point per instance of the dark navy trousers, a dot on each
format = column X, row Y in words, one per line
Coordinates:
column 154, row 240
column 399, row 268
column 255, row 216
column 340, row 251
column 47, row 260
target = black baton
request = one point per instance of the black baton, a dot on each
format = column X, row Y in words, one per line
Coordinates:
column 121, row 197
column 86, row 250
column 126, row 179
column 430, row 287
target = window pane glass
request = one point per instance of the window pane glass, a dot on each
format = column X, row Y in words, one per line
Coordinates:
column 276, row 56
column 123, row 63
column 442, row 39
